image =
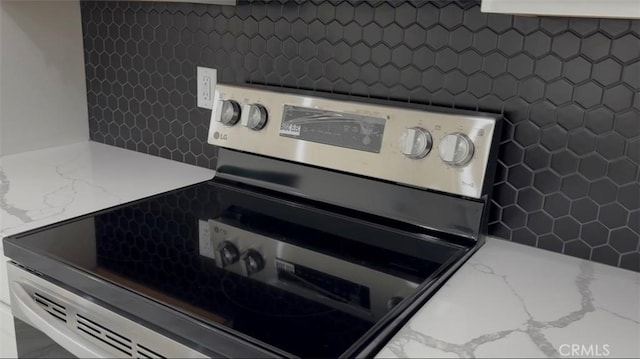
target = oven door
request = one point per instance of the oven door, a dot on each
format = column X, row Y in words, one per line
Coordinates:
column 46, row 314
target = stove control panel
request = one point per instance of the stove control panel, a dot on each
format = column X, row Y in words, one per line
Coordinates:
column 432, row 150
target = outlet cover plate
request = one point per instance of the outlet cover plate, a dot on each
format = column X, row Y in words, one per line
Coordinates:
column 207, row 79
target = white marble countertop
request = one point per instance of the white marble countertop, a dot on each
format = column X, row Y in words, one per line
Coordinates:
column 42, row 187
column 515, row 301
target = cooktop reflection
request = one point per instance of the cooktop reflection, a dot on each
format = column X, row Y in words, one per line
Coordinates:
column 306, row 278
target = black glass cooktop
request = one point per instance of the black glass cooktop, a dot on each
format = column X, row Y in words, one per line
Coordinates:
column 302, row 277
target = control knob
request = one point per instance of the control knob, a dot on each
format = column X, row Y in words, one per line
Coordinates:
column 230, row 113
column 256, row 117
column 229, row 253
column 415, row 142
column 456, row 149
column 253, row 261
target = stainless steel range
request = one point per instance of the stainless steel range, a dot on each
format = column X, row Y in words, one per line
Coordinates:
column 329, row 222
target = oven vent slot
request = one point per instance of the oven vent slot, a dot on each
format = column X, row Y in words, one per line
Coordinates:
column 117, row 341
column 144, row 352
column 55, row 309
column 111, row 338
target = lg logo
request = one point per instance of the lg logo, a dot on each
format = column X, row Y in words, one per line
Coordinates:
column 581, row 350
column 218, row 136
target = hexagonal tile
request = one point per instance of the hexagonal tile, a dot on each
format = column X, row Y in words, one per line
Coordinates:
column 618, row 98
column 633, row 150
column 410, row 77
column 511, row 42
column 401, row 56
column 566, row 228
column 526, row 25
column 603, row 191
column 574, row 186
column 485, row 40
column 577, row 248
column 479, row 85
column 548, row 67
column 446, row 60
column 614, row 27
column 536, row 158
column 451, row 16
column 437, row 37
column 540, row 222
column 593, row 167
column 624, row 240
column 520, row 176
column 494, row 64
column 504, row 195
column 566, row 45
column 588, row 95
column 546, row 182
column 372, row 34
column 610, row 145
column 634, row 220
column 460, row 39
column 607, row 71
column 599, row 120
column 564, row 162
column 556, row 205
column 570, row 116
column 524, row 236
column 505, row 87
column 529, row 199
column 613, row 215
column 415, row 36
column 520, row 66
column 428, row 15
column 550, row 242
column 532, row 89
column 630, row 261
column 514, row 217
column 384, row 15
column 622, row 171
column 455, row 82
column 432, row 79
column 577, row 70
column 628, row 124
column 584, row 210
column 537, row 43
column 629, row 196
column 559, row 92
column 470, row 62
column 594, row 233
column 510, row 153
column 606, row 255
column 626, row 48
column 631, row 74
column 581, row 142
column 596, row 46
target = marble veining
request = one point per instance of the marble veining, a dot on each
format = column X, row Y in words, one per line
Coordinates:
column 501, row 304
column 43, row 187
column 21, row 214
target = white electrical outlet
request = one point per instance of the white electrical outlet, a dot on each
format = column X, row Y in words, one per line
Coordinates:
column 207, row 79
column 205, row 242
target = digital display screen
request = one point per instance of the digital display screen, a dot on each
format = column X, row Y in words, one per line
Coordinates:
column 358, row 132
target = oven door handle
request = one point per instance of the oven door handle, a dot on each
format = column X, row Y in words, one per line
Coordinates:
column 60, row 333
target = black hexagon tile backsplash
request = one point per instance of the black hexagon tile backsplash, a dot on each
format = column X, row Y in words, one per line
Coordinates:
column 567, row 175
